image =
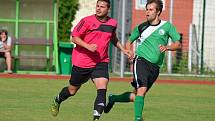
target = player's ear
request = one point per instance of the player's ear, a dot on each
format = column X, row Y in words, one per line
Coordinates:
column 158, row 13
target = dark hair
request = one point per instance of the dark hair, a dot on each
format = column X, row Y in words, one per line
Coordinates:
column 107, row 1
column 4, row 31
column 159, row 4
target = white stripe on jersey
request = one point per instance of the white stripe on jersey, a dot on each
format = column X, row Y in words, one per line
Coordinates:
column 146, row 33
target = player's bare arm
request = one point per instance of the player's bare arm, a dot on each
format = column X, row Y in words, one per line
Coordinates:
column 80, row 42
column 128, row 46
column 116, row 43
column 174, row 46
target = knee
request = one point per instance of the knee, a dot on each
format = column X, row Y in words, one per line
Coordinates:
column 73, row 90
column 141, row 91
column 132, row 97
column 8, row 55
column 101, row 83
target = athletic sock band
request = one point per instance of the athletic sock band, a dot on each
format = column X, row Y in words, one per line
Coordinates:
column 63, row 95
column 100, row 102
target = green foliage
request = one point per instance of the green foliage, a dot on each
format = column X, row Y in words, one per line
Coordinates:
column 208, row 71
column 163, row 68
column 180, row 64
column 67, row 11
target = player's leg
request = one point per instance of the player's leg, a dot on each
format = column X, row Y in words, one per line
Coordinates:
column 8, row 61
column 141, row 74
column 122, row 98
column 100, row 101
column 65, row 93
column 100, row 78
column 145, row 74
column 78, row 77
column 139, row 103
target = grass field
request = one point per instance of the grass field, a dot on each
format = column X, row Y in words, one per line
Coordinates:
column 29, row 100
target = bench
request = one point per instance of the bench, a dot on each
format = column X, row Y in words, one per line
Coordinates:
column 18, row 56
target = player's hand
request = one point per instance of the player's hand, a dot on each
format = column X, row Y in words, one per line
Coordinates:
column 129, row 53
column 163, row 48
column 126, row 52
column 131, row 57
column 4, row 45
column 92, row 47
column 4, row 39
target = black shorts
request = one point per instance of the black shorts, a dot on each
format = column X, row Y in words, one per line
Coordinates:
column 81, row 75
column 2, row 54
column 145, row 73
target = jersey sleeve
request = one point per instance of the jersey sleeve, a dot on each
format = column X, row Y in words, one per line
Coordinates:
column 80, row 29
column 174, row 35
column 134, row 35
column 114, row 30
column 9, row 41
column 1, row 44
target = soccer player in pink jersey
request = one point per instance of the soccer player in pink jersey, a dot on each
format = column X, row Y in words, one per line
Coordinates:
column 90, row 57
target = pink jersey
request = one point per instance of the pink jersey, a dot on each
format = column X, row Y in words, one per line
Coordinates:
column 93, row 31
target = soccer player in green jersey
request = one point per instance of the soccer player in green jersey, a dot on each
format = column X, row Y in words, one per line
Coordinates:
column 152, row 42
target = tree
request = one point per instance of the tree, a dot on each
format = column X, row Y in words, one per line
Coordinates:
column 67, row 11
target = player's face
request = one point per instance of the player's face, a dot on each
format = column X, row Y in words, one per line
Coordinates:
column 151, row 12
column 101, row 9
column 3, row 36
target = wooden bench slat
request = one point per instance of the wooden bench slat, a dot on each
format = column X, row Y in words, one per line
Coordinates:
column 31, row 57
column 32, row 41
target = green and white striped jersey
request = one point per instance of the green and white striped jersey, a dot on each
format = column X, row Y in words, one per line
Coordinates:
column 149, row 37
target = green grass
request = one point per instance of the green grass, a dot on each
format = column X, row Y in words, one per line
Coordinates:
column 173, row 77
column 195, row 78
column 29, row 100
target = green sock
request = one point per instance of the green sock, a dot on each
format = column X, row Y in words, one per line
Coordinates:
column 138, row 107
column 124, row 97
